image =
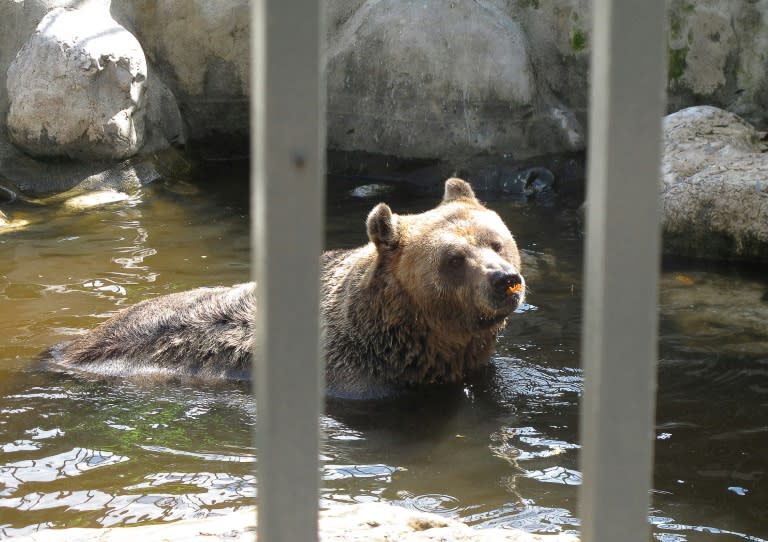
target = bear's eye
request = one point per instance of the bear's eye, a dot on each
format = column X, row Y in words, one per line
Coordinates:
column 496, row 246
column 457, row 260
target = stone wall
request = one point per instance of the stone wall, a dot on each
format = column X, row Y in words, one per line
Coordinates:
column 424, row 79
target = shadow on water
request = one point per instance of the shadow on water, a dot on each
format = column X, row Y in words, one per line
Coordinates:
column 500, row 450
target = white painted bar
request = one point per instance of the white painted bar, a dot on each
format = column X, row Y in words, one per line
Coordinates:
column 288, row 192
column 619, row 341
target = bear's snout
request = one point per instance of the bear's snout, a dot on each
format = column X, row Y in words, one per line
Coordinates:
column 504, row 283
column 508, row 290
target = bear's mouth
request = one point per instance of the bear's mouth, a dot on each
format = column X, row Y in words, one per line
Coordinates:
column 496, row 316
column 488, row 322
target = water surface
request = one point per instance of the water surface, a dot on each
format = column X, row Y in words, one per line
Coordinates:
column 500, row 451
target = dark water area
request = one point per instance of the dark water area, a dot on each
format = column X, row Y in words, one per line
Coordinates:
column 500, row 451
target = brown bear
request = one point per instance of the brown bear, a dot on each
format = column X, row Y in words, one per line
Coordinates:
column 421, row 303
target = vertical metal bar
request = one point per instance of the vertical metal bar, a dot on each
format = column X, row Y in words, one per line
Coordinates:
column 287, row 187
column 619, row 343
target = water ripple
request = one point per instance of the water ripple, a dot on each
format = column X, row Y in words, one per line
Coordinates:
column 436, row 503
column 201, row 455
column 527, row 379
column 668, row 524
column 47, row 469
column 556, row 475
column 339, row 472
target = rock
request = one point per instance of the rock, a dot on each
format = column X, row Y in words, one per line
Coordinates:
column 380, row 522
column 337, row 12
column 709, row 60
column 76, row 87
column 164, row 123
column 8, row 224
column 201, row 50
column 19, row 22
column 21, row 175
column 714, row 186
column 529, row 181
column 97, row 198
column 370, row 522
column 560, row 41
column 701, row 40
column 440, row 79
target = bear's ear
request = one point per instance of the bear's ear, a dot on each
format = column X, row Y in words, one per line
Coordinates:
column 382, row 227
column 456, row 188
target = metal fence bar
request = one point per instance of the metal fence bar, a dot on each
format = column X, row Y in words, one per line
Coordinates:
column 287, row 186
column 619, row 346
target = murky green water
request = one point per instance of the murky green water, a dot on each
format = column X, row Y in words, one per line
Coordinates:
column 501, row 452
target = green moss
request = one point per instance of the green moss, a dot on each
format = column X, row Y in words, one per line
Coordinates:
column 678, row 17
column 675, row 27
column 578, row 40
column 676, row 62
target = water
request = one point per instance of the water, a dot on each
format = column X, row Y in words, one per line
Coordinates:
column 502, row 451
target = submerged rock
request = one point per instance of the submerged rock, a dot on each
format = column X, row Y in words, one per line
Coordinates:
column 9, row 224
column 97, row 198
column 714, row 186
column 706, row 310
column 51, row 181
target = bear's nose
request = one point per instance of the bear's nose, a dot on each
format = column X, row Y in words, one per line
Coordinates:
column 506, row 283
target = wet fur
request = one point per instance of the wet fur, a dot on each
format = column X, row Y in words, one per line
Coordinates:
column 206, row 332
column 395, row 314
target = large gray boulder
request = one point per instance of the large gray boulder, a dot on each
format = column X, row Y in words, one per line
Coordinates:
column 416, row 79
column 714, row 186
column 102, row 163
column 76, row 87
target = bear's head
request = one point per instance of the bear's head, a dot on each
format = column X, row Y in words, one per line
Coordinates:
column 458, row 264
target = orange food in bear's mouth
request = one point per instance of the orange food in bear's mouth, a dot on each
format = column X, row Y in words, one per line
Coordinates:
column 515, row 289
